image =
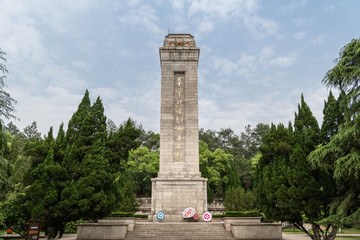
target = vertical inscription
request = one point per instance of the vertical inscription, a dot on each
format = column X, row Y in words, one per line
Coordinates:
column 179, row 126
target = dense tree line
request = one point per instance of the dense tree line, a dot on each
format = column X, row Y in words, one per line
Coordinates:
column 82, row 173
column 300, row 173
column 95, row 167
column 311, row 174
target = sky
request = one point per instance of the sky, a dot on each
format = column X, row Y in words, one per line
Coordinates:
column 256, row 57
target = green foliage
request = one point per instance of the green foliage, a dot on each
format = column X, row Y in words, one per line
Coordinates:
column 5, row 165
column 6, row 101
column 31, row 132
column 70, row 176
column 333, row 117
column 242, row 147
column 124, row 188
column 287, row 188
column 341, row 159
column 128, row 214
column 71, row 227
column 215, row 166
column 150, row 140
column 251, row 213
column 237, row 199
column 44, row 194
column 122, row 214
column 339, row 156
column 143, row 165
column 345, row 76
column 210, row 194
column 13, row 212
column 120, row 143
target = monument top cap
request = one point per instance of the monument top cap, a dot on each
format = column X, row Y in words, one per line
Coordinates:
column 175, row 40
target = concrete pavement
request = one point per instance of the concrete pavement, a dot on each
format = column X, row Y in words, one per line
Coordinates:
column 286, row 236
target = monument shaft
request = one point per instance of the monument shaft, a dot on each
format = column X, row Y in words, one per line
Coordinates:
column 179, row 184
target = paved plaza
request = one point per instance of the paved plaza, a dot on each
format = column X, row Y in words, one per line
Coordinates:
column 286, row 236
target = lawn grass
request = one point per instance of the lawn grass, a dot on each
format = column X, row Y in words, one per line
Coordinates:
column 349, row 231
column 343, row 231
column 347, row 238
column 291, row 230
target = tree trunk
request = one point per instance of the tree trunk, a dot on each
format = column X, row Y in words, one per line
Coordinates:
column 321, row 235
column 332, row 234
column 317, row 235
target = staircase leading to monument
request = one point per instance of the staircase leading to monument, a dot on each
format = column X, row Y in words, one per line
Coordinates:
column 191, row 230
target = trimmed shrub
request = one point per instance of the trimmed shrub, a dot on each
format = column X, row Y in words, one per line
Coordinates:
column 252, row 213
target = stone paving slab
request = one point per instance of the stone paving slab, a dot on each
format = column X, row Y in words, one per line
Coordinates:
column 286, row 236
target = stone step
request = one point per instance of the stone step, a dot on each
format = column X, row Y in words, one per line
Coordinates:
column 179, row 231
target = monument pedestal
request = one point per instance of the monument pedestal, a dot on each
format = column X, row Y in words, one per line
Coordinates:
column 172, row 195
column 179, row 184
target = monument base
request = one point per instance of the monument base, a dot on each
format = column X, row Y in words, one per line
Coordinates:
column 172, row 195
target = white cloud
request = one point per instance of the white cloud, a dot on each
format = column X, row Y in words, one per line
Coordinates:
column 304, row 21
column 224, row 66
column 291, row 6
column 142, row 17
column 319, row 40
column 54, row 105
column 266, row 53
column 284, row 61
column 299, row 35
column 208, row 14
column 178, row 5
column 261, row 27
column 239, row 112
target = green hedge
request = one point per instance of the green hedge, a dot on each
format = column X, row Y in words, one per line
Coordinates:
column 141, row 215
column 122, row 214
column 253, row 213
column 128, row 214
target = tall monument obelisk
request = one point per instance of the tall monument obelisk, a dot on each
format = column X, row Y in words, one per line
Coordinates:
column 179, row 183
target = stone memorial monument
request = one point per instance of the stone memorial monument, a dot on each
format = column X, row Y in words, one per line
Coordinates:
column 179, row 184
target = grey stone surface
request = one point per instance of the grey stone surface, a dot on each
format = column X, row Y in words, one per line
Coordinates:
column 102, row 231
column 194, row 230
column 256, row 230
column 179, row 183
column 228, row 221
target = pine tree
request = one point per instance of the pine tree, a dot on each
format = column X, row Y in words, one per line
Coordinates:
column 120, row 143
column 288, row 189
column 86, row 163
column 124, row 188
column 44, row 194
column 75, row 122
column 333, row 117
column 340, row 157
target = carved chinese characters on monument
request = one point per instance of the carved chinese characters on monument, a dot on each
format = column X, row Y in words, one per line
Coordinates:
column 179, row 126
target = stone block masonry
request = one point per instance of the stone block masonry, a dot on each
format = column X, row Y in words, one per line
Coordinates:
column 179, row 183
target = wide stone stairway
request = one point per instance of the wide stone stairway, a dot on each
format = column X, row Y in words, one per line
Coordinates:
column 169, row 231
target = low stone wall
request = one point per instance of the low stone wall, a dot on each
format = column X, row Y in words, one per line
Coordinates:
column 107, row 229
column 231, row 220
column 256, row 231
column 129, row 221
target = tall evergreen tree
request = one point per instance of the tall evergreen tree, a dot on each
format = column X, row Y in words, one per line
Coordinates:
column 44, row 197
column 345, row 76
column 340, row 157
column 120, row 143
column 5, row 167
column 6, row 101
column 88, row 169
column 333, row 117
column 288, row 188
column 74, row 180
